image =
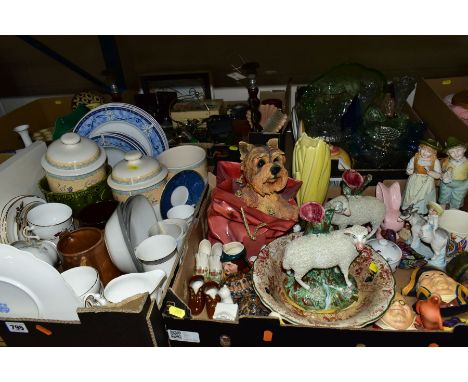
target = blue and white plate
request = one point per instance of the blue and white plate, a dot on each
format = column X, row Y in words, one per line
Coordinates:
column 185, row 187
column 124, row 119
column 116, row 146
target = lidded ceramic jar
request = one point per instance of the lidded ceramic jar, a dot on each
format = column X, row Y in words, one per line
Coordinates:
column 74, row 163
column 137, row 174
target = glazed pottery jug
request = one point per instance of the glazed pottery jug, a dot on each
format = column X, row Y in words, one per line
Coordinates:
column 86, row 246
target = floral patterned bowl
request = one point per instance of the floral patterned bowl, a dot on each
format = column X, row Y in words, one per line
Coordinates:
column 376, row 289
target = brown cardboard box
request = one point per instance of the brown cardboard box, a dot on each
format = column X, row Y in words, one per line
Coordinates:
column 39, row 114
column 135, row 322
column 429, row 104
column 183, row 111
column 268, row 331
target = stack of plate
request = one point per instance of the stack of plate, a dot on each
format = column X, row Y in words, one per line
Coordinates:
column 120, row 127
column 13, row 217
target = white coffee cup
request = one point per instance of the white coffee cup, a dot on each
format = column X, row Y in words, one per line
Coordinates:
column 183, row 211
column 47, row 221
column 83, row 280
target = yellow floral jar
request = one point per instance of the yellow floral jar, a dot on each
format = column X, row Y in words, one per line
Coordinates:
column 74, row 163
column 137, row 174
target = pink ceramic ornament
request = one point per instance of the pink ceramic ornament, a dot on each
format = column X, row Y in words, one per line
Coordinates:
column 391, row 196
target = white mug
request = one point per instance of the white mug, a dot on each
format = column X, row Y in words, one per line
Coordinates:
column 84, row 280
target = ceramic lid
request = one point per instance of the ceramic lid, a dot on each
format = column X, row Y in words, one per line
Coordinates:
column 387, row 249
column 73, row 155
column 136, row 171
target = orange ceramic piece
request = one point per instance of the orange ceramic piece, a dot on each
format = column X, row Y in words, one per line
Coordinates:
column 429, row 311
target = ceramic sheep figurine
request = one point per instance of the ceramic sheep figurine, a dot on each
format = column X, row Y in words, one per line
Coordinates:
column 338, row 248
column 357, row 210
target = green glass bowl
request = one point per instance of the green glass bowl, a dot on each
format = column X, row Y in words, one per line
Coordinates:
column 79, row 199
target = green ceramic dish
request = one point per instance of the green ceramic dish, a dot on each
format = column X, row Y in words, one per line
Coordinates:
column 79, row 199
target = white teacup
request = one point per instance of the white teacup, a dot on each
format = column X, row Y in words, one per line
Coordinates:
column 157, row 252
column 129, row 285
column 47, row 221
column 169, row 228
column 83, row 280
column 183, row 211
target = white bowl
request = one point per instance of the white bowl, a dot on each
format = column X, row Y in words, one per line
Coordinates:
column 388, row 250
column 116, row 244
column 455, row 222
column 158, row 252
column 185, row 157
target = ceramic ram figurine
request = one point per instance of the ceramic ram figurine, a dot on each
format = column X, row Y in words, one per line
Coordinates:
column 357, row 210
column 338, row 248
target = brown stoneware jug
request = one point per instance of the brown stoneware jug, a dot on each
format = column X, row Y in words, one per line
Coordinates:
column 86, row 246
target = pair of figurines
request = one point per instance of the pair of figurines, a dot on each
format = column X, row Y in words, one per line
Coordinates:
column 438, row 295
column 424, row 169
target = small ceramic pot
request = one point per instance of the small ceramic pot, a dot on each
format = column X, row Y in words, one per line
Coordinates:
column 79, row 199
column 185, row 157
column 74, row 163
column 137, row 174
column 388, row 250
column 97, row 214
column 86, row 246
column 455, row 222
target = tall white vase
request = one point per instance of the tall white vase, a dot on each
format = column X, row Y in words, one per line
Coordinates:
column 23, row 132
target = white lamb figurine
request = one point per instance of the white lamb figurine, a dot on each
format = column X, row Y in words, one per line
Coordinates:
column 353, row 210
column 338, row 248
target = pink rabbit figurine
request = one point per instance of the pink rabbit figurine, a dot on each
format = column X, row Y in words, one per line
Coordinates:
column 391, row 196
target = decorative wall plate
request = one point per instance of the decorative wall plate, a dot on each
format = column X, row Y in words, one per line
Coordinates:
column 122, row 118
column 375, row 290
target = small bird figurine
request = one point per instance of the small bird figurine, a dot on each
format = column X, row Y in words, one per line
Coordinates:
column 429, row 313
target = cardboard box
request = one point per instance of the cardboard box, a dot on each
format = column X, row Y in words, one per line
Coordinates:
column 135, row 322
column 39, row 114
column 268, row 331
column 183, row 111
column 438, row 116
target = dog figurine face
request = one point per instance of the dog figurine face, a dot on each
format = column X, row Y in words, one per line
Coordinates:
column 263, row 167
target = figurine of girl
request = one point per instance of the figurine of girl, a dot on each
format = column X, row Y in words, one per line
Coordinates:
column 454, row 185
column 423, row 169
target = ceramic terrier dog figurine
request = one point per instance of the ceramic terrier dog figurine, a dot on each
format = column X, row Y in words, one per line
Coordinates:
column 264, row 176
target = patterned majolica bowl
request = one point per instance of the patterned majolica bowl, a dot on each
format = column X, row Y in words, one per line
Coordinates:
column 375, row 290
column 74, row 163
column 137, row 174
column 79, row 199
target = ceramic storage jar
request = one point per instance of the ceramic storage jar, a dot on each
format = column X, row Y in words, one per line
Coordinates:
column 74, row 163
column 137, row 174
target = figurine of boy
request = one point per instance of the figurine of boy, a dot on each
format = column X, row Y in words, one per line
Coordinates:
column 434, row 211
column 423, row 169
column 454, row 185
